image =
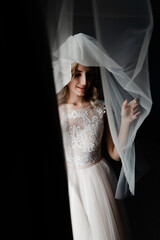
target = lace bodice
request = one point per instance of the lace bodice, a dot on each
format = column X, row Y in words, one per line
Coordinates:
column 82, row 131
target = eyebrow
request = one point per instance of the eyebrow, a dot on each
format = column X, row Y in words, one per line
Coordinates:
column 82, row 71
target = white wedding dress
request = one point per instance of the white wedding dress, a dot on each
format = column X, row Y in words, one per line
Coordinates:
column 91, row 181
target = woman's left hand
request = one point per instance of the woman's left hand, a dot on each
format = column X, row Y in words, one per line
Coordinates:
column 130, row 110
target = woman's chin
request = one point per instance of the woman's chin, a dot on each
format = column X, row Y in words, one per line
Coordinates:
column 80, row 92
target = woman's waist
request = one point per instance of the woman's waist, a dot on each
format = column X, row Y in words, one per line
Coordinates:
column 82, row 158
column 88, row 164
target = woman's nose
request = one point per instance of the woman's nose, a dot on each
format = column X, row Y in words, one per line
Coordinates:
column 84, row 80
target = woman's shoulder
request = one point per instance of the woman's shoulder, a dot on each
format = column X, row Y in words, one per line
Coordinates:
column 62, row 108
column 99, row 105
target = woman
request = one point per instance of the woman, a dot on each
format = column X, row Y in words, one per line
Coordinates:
column 91, row 181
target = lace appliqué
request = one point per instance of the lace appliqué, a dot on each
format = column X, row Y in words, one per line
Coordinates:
column 82, row 132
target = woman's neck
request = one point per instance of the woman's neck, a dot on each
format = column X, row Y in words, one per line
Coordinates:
column 76, row 100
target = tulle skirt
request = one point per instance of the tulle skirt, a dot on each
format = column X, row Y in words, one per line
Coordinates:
column 94, row 212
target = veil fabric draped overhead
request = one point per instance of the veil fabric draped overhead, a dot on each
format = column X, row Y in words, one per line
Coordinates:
column 119, row 46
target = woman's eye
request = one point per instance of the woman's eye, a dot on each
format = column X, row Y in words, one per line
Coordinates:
column 77, row 75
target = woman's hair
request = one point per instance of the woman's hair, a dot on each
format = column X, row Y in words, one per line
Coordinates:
column 91, row 94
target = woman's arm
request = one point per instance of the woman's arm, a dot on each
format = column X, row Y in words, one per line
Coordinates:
column 129, row 112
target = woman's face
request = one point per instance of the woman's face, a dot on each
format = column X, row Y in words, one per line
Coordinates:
column 81, row 80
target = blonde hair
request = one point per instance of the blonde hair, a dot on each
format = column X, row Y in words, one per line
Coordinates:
column 92, row 93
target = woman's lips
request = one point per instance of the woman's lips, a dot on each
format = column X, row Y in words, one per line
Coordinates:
column 81, row 88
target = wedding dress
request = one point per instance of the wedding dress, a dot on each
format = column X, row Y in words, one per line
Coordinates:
column 91, row 180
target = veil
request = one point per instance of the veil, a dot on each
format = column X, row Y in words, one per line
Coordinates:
column 119, row 46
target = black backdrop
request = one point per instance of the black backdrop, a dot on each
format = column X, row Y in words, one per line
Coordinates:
column 35, row 188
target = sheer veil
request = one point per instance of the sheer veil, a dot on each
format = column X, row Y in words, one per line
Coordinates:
column 119, row 46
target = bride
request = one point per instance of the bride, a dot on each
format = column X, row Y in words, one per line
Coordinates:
column 91, row 180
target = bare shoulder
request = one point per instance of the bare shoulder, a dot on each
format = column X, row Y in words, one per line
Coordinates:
column 65, row 107
column 61, row 109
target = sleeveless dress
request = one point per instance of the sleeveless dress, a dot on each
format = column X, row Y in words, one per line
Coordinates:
column 91, row 181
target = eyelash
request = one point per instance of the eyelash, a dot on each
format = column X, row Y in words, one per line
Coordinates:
column 78, row 75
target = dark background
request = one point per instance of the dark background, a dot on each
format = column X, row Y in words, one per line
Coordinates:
column 35, row 188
